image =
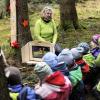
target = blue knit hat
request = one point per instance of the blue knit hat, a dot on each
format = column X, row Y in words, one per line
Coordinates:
column 77, row 52
column 66, row 56
column 51, row 59
column 85, row 46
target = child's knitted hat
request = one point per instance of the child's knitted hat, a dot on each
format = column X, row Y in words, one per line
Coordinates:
column 51, row 59
column 13, row 75
column 77, row 52
column 85, row 46
column 66, row 56
column 42, row 70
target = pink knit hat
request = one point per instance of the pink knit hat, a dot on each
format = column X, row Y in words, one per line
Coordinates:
column 96, row 39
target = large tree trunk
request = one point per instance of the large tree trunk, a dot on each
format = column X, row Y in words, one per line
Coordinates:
column 24, row 33
column 4, row 93
column 68, row 14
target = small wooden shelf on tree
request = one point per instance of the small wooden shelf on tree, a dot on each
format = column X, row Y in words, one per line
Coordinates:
column 33, row 51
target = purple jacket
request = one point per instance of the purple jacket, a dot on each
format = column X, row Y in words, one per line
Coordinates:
column 95, row 51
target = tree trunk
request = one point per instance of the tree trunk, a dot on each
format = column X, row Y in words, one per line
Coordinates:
column 4, row 93
column 68, row 14
column 21, row 31
column 23, row 28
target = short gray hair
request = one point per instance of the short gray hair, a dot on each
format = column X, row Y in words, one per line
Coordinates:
column 46, row 9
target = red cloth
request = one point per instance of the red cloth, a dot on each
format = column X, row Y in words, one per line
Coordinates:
column 84, row 66
column 14, row 44
column 56, row 79
column 55, row 87
column 25, row 23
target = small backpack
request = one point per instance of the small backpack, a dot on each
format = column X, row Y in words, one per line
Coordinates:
column 23, row 94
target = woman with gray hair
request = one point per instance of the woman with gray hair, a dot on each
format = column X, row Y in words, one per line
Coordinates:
column 45, row 28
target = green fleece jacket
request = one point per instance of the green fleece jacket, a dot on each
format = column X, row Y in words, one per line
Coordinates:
column 45, row 31
column 75, row 75
column 89, row 59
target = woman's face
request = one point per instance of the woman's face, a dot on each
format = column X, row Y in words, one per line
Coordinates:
column 47, row 15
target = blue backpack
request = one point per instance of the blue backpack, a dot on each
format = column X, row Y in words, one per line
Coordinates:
column 25, row 94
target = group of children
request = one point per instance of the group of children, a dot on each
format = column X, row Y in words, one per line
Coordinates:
column 67, row 76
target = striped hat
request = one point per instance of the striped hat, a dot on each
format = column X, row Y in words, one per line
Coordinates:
column 42, row 70
column 85, row 46
column 62, row 68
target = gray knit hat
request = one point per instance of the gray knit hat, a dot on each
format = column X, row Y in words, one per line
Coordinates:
column 77, row 52
column 42, row 70
column 66, row 56
column 13, row 75
column 85, row 46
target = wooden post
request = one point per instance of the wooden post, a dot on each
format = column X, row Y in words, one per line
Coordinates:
column 13, row 20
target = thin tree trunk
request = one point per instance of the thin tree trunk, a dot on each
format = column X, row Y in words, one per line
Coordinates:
column 4, row 93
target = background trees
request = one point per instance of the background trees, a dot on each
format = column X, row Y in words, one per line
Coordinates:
column 68, row 14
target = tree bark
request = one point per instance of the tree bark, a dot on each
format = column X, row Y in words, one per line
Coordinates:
column 68, row 14
column 4, row 93
column 23, row 32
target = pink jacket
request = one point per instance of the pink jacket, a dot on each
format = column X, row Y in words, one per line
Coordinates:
column 55, row 87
